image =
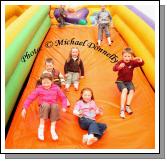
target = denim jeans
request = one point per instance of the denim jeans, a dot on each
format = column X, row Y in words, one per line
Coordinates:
column 92, row 126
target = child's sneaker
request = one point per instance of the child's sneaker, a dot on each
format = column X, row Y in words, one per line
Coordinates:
column 54, row 135
column 68, row 103
column 111, row 43
column 122, row 114
column 85, row 138
column 41, row 133
column 76, row 89
column 91, row 139
column 128, row 110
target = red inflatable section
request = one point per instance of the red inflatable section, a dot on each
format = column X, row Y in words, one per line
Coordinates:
column 137, row 131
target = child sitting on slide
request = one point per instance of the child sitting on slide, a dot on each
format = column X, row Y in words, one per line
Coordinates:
column 86, row 109
column 73, row 68
column 48, row 94
column 58, row 78
column 124, row 82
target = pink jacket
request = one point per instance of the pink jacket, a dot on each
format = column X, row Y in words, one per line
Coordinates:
column 89, row 110
column 50, row 96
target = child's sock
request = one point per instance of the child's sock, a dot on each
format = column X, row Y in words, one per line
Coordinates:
column 99, row 42
column 67, row 86
column 85, row 138
column 76, row 86
column 122, row 108
column 41, row 132
column 122, row 112
column 109, row 40
column 128, row 109
column 68, row 103
column 53, row 132
column 91, row 139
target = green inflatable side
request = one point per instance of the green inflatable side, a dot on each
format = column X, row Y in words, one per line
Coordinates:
column 18, row 77
column 14, row 52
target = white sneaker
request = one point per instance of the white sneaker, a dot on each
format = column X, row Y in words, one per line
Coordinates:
column 85, row 138
column 54, row 135
column 76, row 87
column 122, row 114
column 68, row 103
column 41, row 133
column 91, row 139
column 128, row 110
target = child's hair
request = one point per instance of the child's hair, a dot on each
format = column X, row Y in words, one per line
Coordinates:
column 49, row 60
column 128, row 50
column 86, row 89
column 70, row 55
column 47, row 75
column 43, row 76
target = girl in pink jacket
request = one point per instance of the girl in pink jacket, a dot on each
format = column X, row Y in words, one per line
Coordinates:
column 48, row 95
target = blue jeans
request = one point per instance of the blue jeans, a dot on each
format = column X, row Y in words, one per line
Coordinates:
column 92, row 126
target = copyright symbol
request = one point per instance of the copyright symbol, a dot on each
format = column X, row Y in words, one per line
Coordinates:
column 49, row 44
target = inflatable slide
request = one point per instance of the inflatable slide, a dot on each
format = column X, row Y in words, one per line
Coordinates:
column 137, row 131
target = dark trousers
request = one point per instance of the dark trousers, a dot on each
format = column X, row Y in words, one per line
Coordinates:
column 92, row 126
column 61, row 21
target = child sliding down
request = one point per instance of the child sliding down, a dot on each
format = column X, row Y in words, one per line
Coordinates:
column 86, row 110
column 48, row 95
column 124, row 82
column 73, row 69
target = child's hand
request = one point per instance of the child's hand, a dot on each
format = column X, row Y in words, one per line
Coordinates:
column 82, row 77
column 138, row 59
column 80, row 113
column 122, row 65
column 100, row 110
column 23, row 113
column 64, row 110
